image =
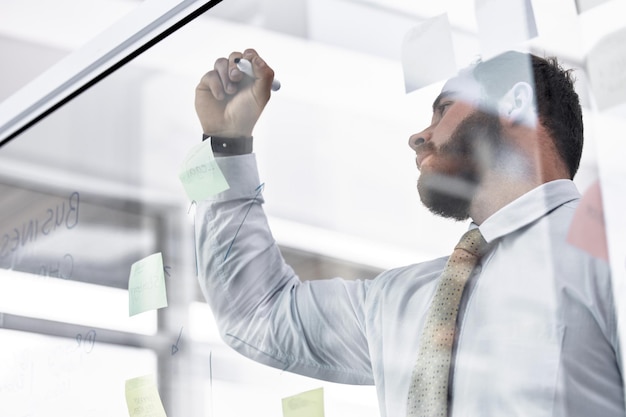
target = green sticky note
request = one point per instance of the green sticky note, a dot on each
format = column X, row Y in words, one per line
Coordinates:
column 142, row 398
column 146, row 285
column 200, row 175
column 306, row 404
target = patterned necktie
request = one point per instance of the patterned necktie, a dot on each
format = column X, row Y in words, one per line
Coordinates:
column 428, row 394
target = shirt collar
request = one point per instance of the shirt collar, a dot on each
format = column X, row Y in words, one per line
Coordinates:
column 528, row 208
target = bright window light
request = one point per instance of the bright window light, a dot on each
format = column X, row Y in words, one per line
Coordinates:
column 53, row 377
column 72, row 302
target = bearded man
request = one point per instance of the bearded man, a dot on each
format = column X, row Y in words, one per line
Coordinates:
column 516, row 322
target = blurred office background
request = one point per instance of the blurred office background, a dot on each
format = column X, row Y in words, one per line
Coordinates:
column 332, row 151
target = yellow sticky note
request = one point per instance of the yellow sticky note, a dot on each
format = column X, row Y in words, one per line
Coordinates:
column 146, row 285
column 142, row 398
column 306, row 404
column 200, row 175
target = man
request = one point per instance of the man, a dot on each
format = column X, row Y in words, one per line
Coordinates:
column 532, row 331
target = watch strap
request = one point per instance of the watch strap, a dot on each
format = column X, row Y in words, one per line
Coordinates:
column 229, row 146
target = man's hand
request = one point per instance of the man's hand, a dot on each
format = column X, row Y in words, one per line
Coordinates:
column 228, row 102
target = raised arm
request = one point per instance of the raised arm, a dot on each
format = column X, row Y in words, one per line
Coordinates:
column 262, row 308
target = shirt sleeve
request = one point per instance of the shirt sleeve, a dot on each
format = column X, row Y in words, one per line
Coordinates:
column 263, row 310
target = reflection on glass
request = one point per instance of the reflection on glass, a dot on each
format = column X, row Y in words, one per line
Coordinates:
column 95, row 187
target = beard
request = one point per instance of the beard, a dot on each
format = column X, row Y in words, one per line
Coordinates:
column 471, row 150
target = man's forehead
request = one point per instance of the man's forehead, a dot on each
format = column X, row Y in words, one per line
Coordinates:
column 462, row 87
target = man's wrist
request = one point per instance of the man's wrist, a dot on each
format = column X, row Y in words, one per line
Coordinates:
column 223, row 146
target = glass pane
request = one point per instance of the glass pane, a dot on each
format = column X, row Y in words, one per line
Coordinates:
column 95, row 187
column 36, row 34
column 52, row 376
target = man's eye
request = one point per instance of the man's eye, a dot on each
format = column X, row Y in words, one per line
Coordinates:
column 443, row 107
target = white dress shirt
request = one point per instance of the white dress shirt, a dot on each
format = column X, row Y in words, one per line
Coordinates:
column 537, row 331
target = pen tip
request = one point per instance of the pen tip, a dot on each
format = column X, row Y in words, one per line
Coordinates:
column 237, row 60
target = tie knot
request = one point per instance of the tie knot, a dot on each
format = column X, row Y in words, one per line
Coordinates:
column 473, row 242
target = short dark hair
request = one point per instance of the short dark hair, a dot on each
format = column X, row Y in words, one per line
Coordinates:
column 558, row 105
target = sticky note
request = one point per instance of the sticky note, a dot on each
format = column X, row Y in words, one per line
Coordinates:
column 142, row 398
column 587, row 230
column 146, row 285
column 606, row 65
column 584, row 5
column 504, row 24
column 200, row 175
column 428, row 53
column 306, row 404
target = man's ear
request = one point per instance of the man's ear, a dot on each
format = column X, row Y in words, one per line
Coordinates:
column 518, row 105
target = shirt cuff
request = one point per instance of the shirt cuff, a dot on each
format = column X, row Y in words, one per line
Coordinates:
column 241, row 174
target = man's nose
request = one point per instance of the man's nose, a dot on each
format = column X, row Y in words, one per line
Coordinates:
column 418, row 139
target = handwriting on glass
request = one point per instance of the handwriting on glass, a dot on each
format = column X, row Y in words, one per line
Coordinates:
column 62, row 215
column 175, row 346
column 258, row 190
column 63, row 268
column 87, row 342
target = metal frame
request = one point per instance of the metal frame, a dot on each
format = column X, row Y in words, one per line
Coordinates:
column 147, row 25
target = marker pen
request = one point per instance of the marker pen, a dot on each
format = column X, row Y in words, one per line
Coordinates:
column 245, row 66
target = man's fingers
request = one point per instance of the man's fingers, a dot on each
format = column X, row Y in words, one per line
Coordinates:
column 211, row 83
column 217, row 82
column 222, row 69
column 264, row 77
column 249, row 54
column 233, row 72
column 225, row 77
column 228, row 100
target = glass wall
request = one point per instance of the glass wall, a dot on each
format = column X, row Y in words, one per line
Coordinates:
column 94, row 187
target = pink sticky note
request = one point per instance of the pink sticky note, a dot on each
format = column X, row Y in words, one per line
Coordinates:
column 587, row 230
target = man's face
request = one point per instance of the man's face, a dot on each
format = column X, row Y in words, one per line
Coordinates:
column 455, row 149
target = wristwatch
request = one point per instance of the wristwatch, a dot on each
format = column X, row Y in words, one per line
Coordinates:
column 229, row 146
